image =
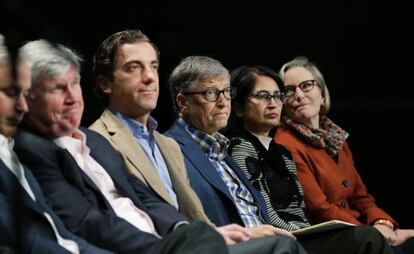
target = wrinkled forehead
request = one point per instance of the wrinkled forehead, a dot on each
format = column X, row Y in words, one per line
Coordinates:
column 220, row 81
column 296, row 75
column 68, row 75
column 137, row 51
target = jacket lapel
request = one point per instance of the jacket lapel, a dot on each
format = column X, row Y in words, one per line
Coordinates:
column 191, row 150
column 175, row 168
column 15, row 191
column 127, row 145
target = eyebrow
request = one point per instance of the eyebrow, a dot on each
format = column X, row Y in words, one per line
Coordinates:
column 306, row 80
column 139, row 62
column 14, row 88
column 262, row 90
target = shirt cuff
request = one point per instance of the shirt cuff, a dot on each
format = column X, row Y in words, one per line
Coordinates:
column 179, row 224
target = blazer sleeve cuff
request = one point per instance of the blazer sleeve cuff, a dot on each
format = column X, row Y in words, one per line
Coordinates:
column 179, row 224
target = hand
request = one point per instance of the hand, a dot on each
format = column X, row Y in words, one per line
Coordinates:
column 268, row 230
column 403, row 235
column 388, row 233
column 234, row 233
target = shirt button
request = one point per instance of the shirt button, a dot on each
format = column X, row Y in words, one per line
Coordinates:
column 345, row 183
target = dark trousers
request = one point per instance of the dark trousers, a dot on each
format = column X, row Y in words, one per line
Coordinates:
column 406, row 247
column 268, row 245
column 196, row 237
column 361, row 239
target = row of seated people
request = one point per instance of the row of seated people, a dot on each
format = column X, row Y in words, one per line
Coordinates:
column 127, row 191
column 62, row 184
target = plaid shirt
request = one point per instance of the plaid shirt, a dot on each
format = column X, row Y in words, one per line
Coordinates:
column 215, row 149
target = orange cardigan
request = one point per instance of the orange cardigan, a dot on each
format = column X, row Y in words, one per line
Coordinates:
column 331, row 190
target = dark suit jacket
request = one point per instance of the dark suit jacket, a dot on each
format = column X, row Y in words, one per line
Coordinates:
column 207, row 183
column 80, row 204
column 23, row 226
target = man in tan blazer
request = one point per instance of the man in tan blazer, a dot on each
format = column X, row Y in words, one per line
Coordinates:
column 138, row 163
column 126, row 71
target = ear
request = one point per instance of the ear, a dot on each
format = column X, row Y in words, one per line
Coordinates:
column 104, row 85
column 182, row 103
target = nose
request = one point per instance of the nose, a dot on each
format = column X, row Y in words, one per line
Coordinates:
column 221, row 100
column 272, row 101
column 21, row 104
column 149, row 75
column 72, row 91
column 298, row 93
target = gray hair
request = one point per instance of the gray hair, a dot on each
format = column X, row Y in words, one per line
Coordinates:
column 4, row 53
column 302, row 61
column 47, row 60
column 192, row 70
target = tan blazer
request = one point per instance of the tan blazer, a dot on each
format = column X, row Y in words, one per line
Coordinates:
column 138, row 164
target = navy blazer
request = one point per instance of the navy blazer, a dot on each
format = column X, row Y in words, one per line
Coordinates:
column 23, row 225
column 207, row 183
column 80, row 204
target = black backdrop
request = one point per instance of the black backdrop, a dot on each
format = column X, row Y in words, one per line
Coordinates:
column 363, row 48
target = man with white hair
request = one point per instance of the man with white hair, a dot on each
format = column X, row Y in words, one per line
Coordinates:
column 27, row 223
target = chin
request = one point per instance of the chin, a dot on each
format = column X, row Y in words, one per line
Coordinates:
column 8, row 131
column 271, row 125
column 149, row 106
column 221, row 125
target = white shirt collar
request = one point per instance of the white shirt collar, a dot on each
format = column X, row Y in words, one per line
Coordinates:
column 264, row 140
column 75, row 144
column 6, row 142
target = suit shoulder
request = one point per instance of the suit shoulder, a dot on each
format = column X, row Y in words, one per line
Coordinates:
column 179, row 135
column 97, row 126
column 166, row 139
column 26, row 140
column 95, row 138
column 91, row 133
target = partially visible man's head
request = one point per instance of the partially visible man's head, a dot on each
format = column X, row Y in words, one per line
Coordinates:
column 56, row 103
column 12, row 95
column 200, row 88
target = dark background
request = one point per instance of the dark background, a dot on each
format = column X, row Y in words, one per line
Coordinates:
column 364, row 49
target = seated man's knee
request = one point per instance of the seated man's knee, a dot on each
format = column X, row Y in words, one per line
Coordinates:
column 366, row 232
column 370, row 240
column 282, row 244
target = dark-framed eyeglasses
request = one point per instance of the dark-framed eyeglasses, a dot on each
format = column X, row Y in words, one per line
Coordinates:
column 212, row 94
column 265, row 96
column 305, row 86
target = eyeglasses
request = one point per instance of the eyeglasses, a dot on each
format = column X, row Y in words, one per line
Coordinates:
column 266, row 96
column 213, row 94
column 305, row 86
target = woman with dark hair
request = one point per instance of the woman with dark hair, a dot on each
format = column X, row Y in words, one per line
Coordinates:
column 269, row 166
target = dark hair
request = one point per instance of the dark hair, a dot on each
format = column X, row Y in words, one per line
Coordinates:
column 105, row 55
column 244, row 78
